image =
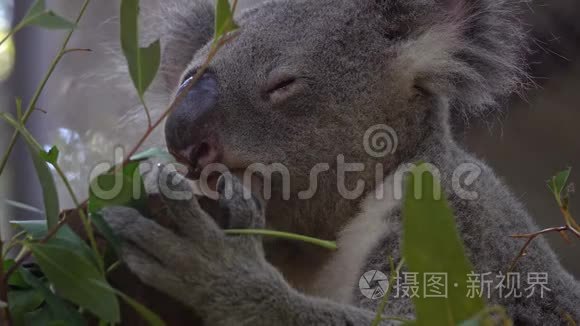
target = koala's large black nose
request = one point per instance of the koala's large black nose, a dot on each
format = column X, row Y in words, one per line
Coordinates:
column 190, row 130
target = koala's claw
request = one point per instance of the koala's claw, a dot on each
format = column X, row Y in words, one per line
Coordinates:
column 242, row 209
column 185, row 211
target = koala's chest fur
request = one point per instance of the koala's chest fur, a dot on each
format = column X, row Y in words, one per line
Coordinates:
column 334, row 275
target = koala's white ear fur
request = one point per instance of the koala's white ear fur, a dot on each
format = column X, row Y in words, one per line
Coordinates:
column 472, row 52
column 425, row 60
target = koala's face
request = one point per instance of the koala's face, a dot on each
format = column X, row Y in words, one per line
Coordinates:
column 299, row 85
column 303, row 80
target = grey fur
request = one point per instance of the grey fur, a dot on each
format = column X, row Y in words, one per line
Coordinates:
column 357, row 63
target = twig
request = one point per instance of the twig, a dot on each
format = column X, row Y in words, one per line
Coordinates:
column 8, row 35
column 77, row 50
column 284, row 235
column 561, row 230
column 224, row 40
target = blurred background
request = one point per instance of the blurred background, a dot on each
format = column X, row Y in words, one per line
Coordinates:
column 526, row 144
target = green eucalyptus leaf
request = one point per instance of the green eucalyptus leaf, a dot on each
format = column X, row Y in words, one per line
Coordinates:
column 73, row 276
column 38, row 229
column 15, row 279
column 23, row 301
column 37, row 8
column 489, row 316
column 143, row 62
column 55, row 309
column 118, row 188
column 148, row 315
column 152, row 318
column 26, row 207
column 51, row 156
column 154, row 152
column 49, row 191
column 431, row 244
column 106, row 231
column 41, row 316
column 39, row 16
column 65, row 236
column 50, row 20
column 224, row 19
column 57, row 323
column 559, row 181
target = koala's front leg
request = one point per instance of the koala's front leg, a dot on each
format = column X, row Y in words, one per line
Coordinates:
column 225, row 279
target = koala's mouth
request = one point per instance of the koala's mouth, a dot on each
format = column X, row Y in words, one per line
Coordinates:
column 205, row 164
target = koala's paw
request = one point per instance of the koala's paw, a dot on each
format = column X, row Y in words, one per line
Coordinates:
column 192, row 261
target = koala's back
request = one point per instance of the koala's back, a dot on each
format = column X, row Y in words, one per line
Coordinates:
column 485, row 226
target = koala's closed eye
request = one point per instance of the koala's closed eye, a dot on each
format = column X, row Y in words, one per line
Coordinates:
column 281, row 87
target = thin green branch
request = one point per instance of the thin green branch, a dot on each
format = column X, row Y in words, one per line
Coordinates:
column 385, row 300
column 12, row 243
column 84, row 218
column 40, row 88
column 284, row 235
column 12, row 32
column 113, row 266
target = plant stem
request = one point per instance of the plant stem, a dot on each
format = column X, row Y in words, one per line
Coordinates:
column 385, row 300
column 284, row 235
column 12, row 32
column 40, row 88
column 86, row 221
column 570, row 222
column 4, row 290
column 12, row 243
column 147, row 112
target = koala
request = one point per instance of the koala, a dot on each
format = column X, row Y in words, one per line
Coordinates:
column 299, row 85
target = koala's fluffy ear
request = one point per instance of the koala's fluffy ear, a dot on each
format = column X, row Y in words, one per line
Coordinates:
column 472, row 51
column 188, row 26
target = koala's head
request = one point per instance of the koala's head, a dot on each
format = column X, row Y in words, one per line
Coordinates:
column 303, row 80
